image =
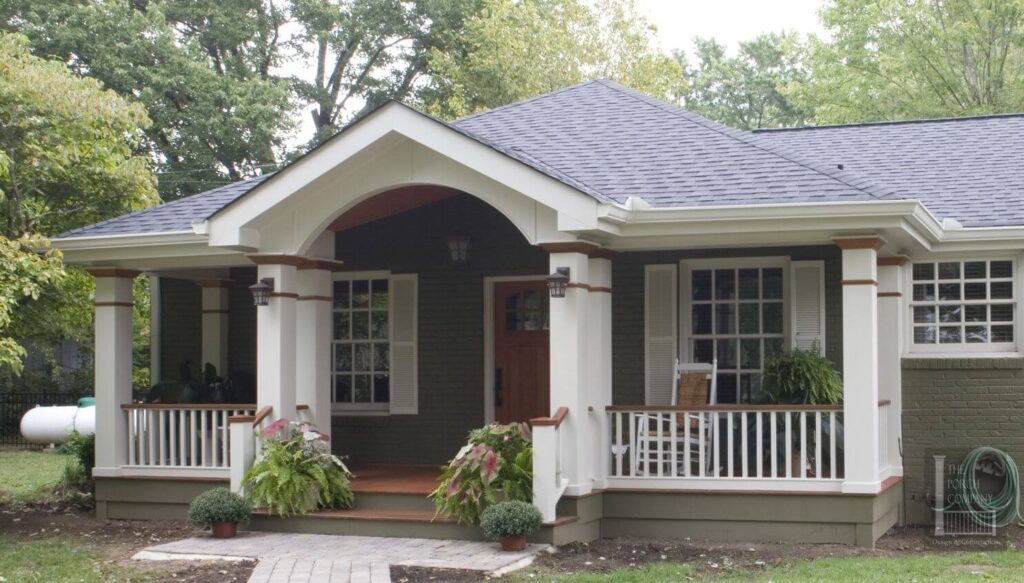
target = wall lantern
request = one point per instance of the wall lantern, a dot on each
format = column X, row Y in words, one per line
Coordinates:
column 558, row 281
column 261, row 291
column 458, row 247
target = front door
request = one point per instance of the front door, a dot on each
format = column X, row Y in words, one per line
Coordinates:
column 521, row 356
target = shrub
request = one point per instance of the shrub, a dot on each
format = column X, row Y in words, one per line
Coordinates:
column 218, row 505
column 298, row 473
column 496, row 461
column 802, row 376
column 510, row 518
column 83, row 448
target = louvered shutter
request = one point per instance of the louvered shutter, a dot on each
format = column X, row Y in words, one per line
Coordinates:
column 808, row 290
column 404, row 383
column 660, row 307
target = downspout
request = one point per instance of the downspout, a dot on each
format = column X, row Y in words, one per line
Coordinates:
column 155, row 374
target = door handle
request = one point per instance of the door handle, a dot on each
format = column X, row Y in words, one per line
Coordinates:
column 497, row 387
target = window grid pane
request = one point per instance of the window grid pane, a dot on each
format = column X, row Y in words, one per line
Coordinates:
column 962, row 302
column 361, row 351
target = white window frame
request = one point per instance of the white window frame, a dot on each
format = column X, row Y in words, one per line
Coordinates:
column 975, row 350
column 686, row 268
column 358, row 408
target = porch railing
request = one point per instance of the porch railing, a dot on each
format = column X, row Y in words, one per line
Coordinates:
column 548, row 483
column 727, row 446
column 181, row 436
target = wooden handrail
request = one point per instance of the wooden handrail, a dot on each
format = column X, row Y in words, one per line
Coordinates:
column 302, row 407
column 196, row 406
column 261, row 415
column 553, row 421
column 884, row 403
column 241, row 419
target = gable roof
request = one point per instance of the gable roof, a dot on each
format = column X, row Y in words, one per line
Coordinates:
column 968, row 168
column 612, row 143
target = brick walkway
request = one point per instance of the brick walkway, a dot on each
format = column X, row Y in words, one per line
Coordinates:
column 321, row 558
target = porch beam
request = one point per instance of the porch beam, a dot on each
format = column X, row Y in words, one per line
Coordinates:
column 113, row 365
column 860, row 363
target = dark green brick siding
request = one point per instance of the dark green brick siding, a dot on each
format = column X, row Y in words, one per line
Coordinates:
column 951, row 406
column 181, row 305
column 451, row 400
column 242, row 323
column 628, row 307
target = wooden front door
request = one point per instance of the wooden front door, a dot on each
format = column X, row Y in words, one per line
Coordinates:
column 521, row 351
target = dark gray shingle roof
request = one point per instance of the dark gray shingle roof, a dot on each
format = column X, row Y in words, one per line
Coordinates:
column 612, row 143
column 177, row 215
column 970, row 169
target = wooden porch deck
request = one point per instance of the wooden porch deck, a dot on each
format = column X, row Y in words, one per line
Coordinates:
column 395, row 479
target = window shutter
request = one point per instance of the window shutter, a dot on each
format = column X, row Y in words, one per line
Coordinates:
column 404, row 382
column 808, row 291
column 660, row 342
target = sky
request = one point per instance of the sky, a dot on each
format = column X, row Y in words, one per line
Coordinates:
column 729, row 21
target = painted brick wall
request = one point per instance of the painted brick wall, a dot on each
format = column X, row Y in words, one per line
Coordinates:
column 181, row 305
column 628, row 307
column 451, row 399
column 951, row 406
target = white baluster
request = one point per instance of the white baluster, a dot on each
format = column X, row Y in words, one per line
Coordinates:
column 817, row 444
column 803, row 444
column 775, row 442
column 760, row 444
column 728, row 428
column 788, row 461
column 832, row 444
column 743, row 441
column 673, row 446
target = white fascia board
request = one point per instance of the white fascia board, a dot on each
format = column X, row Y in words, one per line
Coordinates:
column 131, row 240
column 119, row 248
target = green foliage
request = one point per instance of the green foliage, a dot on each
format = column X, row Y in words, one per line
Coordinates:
column 30, row 477
column 899, row 59
column 802, row 376
column 512, row 50
column 510, row 518
column 297, row 473
column 497, row 460
column 746, row 91
column 27, row 272
column 218, row 505
column 83, row 448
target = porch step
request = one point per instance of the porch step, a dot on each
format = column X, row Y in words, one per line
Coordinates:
column 390, row 501
column 389, row 523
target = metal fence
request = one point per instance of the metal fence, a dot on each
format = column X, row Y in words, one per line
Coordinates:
column 14, row 405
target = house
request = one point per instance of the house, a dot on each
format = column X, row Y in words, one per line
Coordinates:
column 406, row 263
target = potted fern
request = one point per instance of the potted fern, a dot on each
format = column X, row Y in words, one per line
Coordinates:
column 510, row 522
column 220, row 510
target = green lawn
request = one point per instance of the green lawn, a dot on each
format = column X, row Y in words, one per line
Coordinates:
column 60, row 560
column 30, row 476
column 990, row 566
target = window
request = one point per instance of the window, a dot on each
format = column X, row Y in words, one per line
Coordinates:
column 963, row 305
column 737, row 315
column 361, row 346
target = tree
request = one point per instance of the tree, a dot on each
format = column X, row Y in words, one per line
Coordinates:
column 746, row 91
column 512, row 50
column 898, row 59
column 67, row 158
column 203, row 70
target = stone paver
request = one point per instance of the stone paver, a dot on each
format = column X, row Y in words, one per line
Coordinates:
column 321, row 558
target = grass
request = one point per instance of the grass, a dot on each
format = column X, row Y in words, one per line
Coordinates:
column 30, row 476
column 60, row 560
column 989, row 566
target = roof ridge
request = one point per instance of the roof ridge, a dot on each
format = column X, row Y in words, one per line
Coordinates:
column 894, row 122
column 866, row 186
column 525, row 101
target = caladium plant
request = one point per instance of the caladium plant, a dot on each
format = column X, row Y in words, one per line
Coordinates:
column 495, row 464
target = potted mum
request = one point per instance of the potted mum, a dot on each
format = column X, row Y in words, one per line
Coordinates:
column 510, row 522
column 221, row 510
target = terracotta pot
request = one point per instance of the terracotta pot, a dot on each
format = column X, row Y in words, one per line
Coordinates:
column 513, row 543
column 224, row 529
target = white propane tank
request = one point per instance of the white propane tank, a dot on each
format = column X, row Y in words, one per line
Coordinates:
column 46, row 425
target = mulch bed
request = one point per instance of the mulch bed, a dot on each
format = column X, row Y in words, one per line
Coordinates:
column 118, row 540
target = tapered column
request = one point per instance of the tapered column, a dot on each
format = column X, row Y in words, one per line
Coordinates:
column 860, row 364
column 313, row 341
column 890, row 350
column 215, row 325
column 113, row 366
column 275, row 338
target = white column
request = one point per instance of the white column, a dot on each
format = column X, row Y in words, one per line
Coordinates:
column 860, row 364
column 275, row 341
column 313, row 342
column 155, row 331
column 599, row 355
column 569, row 372
column 215, row 325
column 890, row 350
column 113, row 366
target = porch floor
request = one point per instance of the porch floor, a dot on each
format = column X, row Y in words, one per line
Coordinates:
column 395, row 479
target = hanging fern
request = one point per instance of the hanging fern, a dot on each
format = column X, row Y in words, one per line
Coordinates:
column 802, row 376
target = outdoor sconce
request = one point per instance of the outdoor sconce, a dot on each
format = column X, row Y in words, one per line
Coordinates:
column 558, row 281
column 261, row 291
column 458, row 247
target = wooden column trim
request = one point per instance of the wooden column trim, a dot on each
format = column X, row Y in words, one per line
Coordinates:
column 291, row 295
column 893, row 294
column 875, row 243
column 315, row 299
column 860, row 282
column 114, row 304
column 322, row 264
column 588, row 249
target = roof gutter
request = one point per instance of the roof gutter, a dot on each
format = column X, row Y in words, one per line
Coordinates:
column 132, row 240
